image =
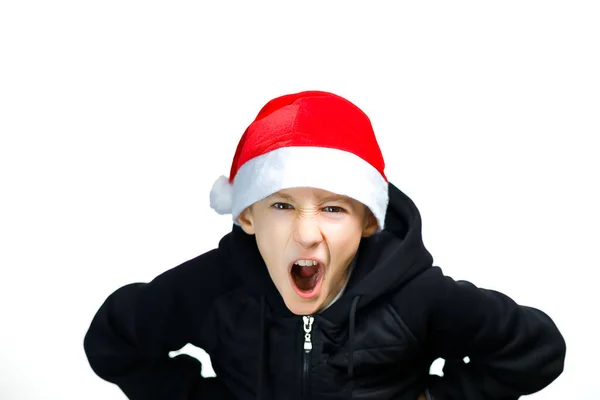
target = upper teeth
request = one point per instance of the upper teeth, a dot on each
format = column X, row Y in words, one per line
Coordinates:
column 304, row 263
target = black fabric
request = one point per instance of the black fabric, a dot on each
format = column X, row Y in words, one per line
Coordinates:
column 261, row 353
column 352, row 329
column 398, row 313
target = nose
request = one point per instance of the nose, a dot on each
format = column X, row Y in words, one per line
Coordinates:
column 307, row 232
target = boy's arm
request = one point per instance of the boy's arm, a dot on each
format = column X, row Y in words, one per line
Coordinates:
column 513, row 350
column 131, row 335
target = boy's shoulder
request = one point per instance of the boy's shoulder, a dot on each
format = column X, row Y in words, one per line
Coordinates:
column 202, row 278
column 418, row 296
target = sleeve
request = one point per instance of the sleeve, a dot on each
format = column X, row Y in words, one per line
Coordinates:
column 512, row 350
column 131, row 335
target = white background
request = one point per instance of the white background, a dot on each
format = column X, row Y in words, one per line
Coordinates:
column 117, row 116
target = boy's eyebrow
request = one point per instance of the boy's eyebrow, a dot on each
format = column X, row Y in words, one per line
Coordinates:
column 334, row 197
column 280, row 196
column 325, row 199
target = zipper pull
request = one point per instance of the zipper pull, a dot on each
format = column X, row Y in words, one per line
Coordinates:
column 308, row 321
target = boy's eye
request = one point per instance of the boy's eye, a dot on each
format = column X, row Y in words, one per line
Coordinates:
column 286, row 206
column 282, row 206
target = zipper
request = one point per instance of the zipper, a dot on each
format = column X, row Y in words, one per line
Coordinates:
column 307, row 326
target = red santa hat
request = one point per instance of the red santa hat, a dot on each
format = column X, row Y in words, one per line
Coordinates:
column 307, row 139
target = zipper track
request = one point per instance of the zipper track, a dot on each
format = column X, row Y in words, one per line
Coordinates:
column 307, row 327
column 305, row 359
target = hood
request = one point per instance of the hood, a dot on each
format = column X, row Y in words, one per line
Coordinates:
column 385, row 261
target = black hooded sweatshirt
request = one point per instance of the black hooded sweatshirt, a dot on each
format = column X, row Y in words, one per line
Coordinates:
column 377, row 341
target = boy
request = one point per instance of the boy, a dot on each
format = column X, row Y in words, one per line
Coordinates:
column 323, row 289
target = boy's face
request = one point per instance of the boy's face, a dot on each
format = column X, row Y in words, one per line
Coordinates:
column 307, row 238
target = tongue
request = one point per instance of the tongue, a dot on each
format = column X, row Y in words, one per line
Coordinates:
column 306, row 271
column 305, row 276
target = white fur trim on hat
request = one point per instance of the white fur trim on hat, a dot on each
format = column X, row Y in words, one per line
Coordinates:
column 334, row 170
column 221, row 196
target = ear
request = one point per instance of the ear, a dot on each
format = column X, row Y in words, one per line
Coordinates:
column 370, row 225
column 246, row 221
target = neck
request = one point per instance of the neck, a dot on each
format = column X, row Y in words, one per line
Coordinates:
column 336, row 294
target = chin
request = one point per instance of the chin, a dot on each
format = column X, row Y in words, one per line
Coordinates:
column 299, row 307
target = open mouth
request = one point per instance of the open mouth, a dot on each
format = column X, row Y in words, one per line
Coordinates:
column 306, row 277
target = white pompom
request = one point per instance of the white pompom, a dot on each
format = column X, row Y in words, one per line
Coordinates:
column 221, row 196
